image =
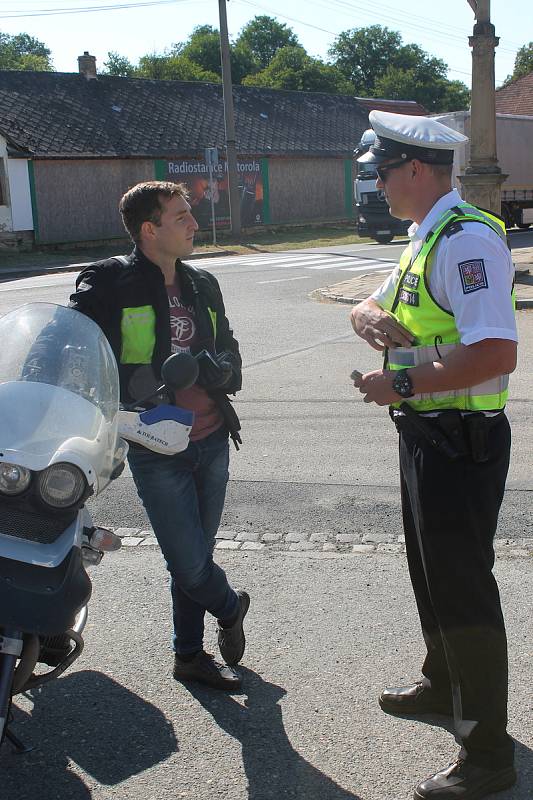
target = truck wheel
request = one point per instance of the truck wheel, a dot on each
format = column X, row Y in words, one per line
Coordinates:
column 384, row 238
column 507, row 216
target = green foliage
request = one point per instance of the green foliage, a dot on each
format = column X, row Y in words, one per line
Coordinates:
column 118, row 65
column 292, row 68
column 202, row 48
column 173, row 68
column 523, row 64
column 378, row 64
column 24, row 52
column 263, row 36
column 436, row 95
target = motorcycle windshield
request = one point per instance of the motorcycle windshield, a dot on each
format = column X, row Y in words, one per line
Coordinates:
column 55, row 345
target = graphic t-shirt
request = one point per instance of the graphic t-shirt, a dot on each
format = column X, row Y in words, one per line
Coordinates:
column 183, row 334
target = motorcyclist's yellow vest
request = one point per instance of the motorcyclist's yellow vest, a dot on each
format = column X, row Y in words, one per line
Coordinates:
column 434, row 327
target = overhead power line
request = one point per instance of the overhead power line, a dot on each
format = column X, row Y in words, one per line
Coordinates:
column 51, row 12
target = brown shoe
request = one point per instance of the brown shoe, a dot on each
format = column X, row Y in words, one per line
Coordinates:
column 204, row 669
column 464, row 781
column 415, row 699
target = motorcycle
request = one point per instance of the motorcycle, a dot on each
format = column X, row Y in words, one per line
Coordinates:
column 59, row 445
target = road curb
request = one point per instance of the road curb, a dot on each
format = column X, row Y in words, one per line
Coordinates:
column 324, row 294
column 326, row 545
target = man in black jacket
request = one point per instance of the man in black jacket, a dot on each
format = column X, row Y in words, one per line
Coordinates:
column 149, row 305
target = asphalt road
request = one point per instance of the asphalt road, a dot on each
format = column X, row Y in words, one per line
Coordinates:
column 315, row 458
column 325, row 631
column 324, row 635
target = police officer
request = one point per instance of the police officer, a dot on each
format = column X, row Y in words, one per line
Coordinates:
column 445, row 321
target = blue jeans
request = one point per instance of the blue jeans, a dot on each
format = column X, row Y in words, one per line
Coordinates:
column 183, row 496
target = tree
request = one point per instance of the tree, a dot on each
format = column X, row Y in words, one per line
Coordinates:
column 202, row 48
column 24, row 52
column 263, row 36
column 523, row 64
column 436, row 95
column 173, row 68
column 118, row 65
column 292, row 68
column 378, row 64
column 364, row 54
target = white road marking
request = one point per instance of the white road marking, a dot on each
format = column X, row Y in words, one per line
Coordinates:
column 285, row 280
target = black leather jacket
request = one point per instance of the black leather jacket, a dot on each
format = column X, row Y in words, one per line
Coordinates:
column 105, row 288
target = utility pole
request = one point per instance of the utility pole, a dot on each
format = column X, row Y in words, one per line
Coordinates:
column 483, row 177
column 229, row 121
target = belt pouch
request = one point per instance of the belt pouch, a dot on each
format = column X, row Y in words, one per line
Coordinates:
column 478, row 431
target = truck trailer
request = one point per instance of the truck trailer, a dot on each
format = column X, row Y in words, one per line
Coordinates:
column 514, row 134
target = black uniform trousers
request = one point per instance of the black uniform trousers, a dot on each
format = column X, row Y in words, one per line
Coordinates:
column 450, row 512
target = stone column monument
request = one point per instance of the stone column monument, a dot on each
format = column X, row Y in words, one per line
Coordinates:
column 483, row 178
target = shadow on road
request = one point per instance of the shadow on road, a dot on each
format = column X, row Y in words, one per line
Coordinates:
column 90, row 719
column 273, row 767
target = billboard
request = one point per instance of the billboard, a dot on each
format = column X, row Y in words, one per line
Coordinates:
column 195, row 173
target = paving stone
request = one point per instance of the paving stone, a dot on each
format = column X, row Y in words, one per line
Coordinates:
column 377, row 538
column 302, row 546
column 225, row 545
column 329, row 547
column 147, row 532
column 393, row 547
column 126, row 531
column 271, row 537
column 252, row 546
column 363, row 548
column 150, row 541
column 296, row 537
column 320, row 536
column 248, row 536
column 131, row 541
column 226, row 534
column 346, row 538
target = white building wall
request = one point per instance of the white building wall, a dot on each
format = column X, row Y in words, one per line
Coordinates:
column 19, row 189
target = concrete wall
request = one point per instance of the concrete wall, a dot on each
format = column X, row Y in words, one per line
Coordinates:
column 77, row 200
column 6, row 222
column 306, row 189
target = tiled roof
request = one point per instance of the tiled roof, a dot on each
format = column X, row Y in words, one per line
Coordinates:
column 516, row 97
column 395, row 106
column 58, row 115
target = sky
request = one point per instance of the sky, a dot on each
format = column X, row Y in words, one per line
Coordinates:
column 131, row 29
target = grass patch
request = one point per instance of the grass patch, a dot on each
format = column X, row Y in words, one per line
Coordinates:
column 255, row 241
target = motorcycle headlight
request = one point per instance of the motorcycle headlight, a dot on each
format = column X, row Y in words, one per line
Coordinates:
column 14, row 479
column 61, row 485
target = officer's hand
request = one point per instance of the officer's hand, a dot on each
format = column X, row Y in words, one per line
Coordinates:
column 376, row 387
column 377, row 327
column 215, row 372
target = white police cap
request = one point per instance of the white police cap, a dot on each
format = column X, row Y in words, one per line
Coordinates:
column 405, row 136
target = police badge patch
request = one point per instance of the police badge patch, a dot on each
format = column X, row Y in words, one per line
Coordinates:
column 473, row 275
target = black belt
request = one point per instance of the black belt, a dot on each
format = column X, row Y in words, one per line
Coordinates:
column 451, row 433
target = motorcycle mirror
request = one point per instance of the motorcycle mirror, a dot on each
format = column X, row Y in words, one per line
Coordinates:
column 179, row 371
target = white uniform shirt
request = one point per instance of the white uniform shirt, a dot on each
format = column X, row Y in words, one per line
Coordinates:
column 472, row 276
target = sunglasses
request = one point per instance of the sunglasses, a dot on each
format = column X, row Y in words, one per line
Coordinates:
column 383, row 170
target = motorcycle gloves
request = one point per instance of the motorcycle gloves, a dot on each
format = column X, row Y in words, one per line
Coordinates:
column 215, row 372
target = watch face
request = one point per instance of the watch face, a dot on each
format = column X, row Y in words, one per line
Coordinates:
column 402, row 384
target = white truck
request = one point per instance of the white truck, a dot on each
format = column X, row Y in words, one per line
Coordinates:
column 514, row 134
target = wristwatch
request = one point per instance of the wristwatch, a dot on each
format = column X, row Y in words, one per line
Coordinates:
column 402, row 383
